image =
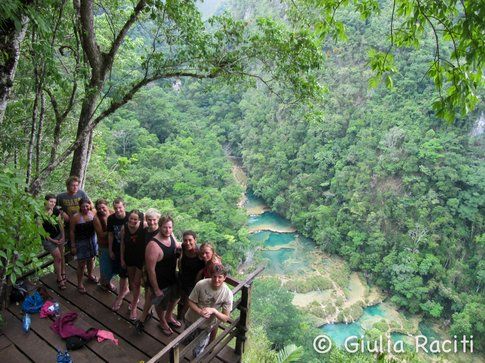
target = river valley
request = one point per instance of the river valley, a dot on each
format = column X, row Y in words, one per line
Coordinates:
column 340, row 302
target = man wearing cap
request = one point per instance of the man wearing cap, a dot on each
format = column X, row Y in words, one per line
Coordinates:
column 205, row 300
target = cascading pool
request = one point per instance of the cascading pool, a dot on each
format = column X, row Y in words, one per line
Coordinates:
column 288, row 253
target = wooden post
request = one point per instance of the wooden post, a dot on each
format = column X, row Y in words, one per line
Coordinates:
column 242, row 327
column 174, row 354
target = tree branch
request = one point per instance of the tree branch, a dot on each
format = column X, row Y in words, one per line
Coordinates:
column 108, row 59
column 35, row 185
column 110, row 21
column 437, row 46
column 87, row 33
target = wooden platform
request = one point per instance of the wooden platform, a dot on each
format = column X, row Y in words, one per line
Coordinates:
column 94, row 310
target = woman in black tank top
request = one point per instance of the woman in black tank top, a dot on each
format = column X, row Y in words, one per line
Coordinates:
column 133, row 254
column 190, row 264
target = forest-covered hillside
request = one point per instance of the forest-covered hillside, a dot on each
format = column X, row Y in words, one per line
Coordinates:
column 376, row 177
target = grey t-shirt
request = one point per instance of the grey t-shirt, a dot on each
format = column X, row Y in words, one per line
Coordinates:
column 70, row 203
column 205, row 296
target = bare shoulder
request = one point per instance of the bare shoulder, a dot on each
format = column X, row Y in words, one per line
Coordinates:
column 153, row 251
column 151, row 245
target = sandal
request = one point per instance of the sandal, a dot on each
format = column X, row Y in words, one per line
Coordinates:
column 174, row 323
column 129, row 306
column 116, row 305
column 81, row 290
column 139, row 327
column 109, row 288
column 61, row 284
column 166, row 331
column 133, row 315
column 93, row 279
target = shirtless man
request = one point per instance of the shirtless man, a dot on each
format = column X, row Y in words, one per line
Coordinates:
column 161, row 263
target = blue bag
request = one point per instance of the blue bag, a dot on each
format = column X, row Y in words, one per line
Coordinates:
column 63, row 357
column 32, row 303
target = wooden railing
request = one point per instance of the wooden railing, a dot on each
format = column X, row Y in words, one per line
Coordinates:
column 234, row 328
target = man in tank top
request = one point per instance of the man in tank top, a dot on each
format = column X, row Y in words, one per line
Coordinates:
column 152, row 217
column 161, row 262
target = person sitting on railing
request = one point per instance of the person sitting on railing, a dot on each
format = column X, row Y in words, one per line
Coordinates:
column 210, row 257
column 55, row 240
column 205, row 300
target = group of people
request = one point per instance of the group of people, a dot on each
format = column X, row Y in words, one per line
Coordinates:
column 142, row 250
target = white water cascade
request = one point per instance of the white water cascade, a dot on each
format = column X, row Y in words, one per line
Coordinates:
column 479, row 126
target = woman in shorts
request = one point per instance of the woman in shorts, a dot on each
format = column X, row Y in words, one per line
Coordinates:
column 133, row 255
column 55, row 239
column 84, row 244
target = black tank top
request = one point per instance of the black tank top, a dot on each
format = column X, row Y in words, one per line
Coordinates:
column 165, row 268
column 84, row 229
column 149, row 235
column 52, row 229
column 134, row 245
column 136, row 239
column 189, row 267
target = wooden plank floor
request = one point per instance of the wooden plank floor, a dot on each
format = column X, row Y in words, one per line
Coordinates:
column 94, row 310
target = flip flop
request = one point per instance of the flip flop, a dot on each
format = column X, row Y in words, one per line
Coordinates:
column 139, row 327
column 61, row 284
column 108, row 288
column 165, row 331
column 129, row 306
column 93, row 279
column 133, row 315
column 116, row 305
column 81, row 290
column 174, row 323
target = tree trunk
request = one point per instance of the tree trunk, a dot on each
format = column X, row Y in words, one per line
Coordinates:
column 38, row 138
column 30, row 150
column 81, row 153
column 90, row 150
column 10, row 39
